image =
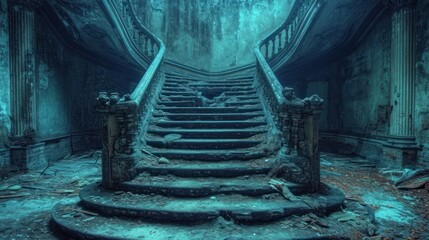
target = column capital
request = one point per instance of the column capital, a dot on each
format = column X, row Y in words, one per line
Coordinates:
column 400, row 4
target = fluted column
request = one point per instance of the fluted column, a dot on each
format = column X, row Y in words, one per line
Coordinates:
column 402, row 98
column 22, row 61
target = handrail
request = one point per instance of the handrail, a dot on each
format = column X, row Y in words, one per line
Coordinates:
column 296, row 118
column 122, row 118
column 278, row 46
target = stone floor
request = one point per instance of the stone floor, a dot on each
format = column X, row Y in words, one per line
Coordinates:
column 26, row 199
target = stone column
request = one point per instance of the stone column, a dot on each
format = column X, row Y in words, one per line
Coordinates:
column 21, row 36
column 402, row 86
column 25, row 152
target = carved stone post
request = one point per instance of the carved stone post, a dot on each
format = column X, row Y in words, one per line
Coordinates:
column 310, row 146
column 301, row 136
column 25, row 151
column 402, row 92
column 119, row 129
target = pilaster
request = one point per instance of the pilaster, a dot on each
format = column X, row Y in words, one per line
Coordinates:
column 402, row 86
column 22, row 60
column 26, row 152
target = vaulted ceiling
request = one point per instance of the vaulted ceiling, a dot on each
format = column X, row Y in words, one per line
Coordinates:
column 340, row 25
column 85, row 27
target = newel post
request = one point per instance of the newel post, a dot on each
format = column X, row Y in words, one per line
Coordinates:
column 119, row 138
column 300, row 120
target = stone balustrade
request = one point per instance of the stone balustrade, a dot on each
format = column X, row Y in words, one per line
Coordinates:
column 298, row 119
column 122, row 117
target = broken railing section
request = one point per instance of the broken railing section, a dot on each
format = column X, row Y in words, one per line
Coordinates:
column 298, row 120
column 122, row 117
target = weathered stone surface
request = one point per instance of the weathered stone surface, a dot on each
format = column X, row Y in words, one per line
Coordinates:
column 31, row 157
column 212, row 35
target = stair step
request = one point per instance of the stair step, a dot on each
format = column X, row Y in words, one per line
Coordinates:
column 214, row 89
column 243, row 103
column 210, row 116
column 192, row 169
column 209, row 109
column 203, row 143
column 189, row 78
column 196, row 104
column 209, row 155
column 178, row 93
column 187, row 92
column 207, row 84
column 208, row 124
column 211, row 82
column 251, row 93
column 193, row 98
column 177, row 103
column 237, row 207
column 103, row 227
column 200, row 187
column 208, row 133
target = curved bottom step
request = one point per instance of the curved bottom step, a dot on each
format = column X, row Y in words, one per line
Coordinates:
column 238, row 207
column 76, row 222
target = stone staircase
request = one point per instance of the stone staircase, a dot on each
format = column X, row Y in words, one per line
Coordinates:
column 207, row 152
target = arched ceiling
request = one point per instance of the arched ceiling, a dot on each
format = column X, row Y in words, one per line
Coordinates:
column 84, row 25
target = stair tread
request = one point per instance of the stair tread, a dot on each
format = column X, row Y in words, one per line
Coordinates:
column 260, row 129
column 208, row 133
column 202, row 143
column 190, row 183
column 209, row 154
column 206, row 169
column 202, row 140
column 258, row 113
column 241, row 109
column 203, row 186
column 173, row 97
column 209, row 84
column 103, row 227
column 236, row 206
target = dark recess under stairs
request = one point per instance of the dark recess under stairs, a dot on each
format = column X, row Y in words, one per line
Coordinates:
column 208, row 149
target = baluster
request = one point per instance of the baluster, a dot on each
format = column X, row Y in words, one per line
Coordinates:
column 135, row 35
column 140, row 41
column 277, row 44
column 288, row 34
column 273, row 46
column 264, row 50
column 146, row 44
column 150, row 49
column 283, row 39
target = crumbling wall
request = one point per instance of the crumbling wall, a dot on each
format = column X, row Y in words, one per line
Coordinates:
column 359, row 87
column 212, row 34
column 67, row 88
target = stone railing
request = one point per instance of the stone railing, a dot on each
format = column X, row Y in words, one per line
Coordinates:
column 122, row 117
column 297, row 119
column 279, row 45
